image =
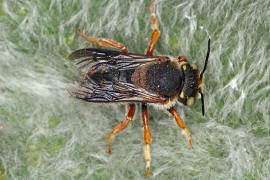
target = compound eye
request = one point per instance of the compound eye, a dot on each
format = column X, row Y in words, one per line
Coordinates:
column 182, row 59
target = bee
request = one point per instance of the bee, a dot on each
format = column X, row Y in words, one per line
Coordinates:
column 117, row 76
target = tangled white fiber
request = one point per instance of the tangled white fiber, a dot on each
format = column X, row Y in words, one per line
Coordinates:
column 46, row 134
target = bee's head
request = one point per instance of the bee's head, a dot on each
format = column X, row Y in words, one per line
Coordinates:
column 193, row 81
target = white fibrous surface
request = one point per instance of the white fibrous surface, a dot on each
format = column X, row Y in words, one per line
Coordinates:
column 47, row 134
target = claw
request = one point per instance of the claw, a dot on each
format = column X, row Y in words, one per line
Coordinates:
column 147, row 171
column 109, row 149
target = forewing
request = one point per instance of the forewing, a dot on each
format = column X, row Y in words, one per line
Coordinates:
column 113, row 92
column 86, row 59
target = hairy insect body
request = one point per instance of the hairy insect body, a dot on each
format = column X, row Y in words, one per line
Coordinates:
column 112, row 76
column 165, row 77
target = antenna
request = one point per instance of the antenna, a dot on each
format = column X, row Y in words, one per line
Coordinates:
column 201, row 75
column 202, row 102
column 206, row 60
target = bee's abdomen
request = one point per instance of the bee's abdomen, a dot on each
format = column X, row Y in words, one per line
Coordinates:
column 104, row 72
column 164, row 79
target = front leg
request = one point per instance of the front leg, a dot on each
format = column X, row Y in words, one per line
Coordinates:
column 181, row 124
column 147, row 138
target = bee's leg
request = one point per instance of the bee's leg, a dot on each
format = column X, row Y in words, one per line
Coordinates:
column 181, row 124
column 104, row 42
column 120, row 127
column 182, row 59
column 147, row 138
column 155, row 34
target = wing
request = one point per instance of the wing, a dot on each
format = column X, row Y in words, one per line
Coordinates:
column 86, row 59
column 114, row 92
column 91, row 59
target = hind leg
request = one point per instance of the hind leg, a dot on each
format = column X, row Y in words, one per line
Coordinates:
column 104, row 42
column 156, row 32
column 120, row 127
column 147, row 138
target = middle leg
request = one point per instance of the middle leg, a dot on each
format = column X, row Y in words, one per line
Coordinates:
column 147, row 138
column 120, row 127
column 156, row 32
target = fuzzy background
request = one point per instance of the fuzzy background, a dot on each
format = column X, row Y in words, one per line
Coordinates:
column 46, row 134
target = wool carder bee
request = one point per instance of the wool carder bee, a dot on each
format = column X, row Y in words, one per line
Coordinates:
column 111, row 76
